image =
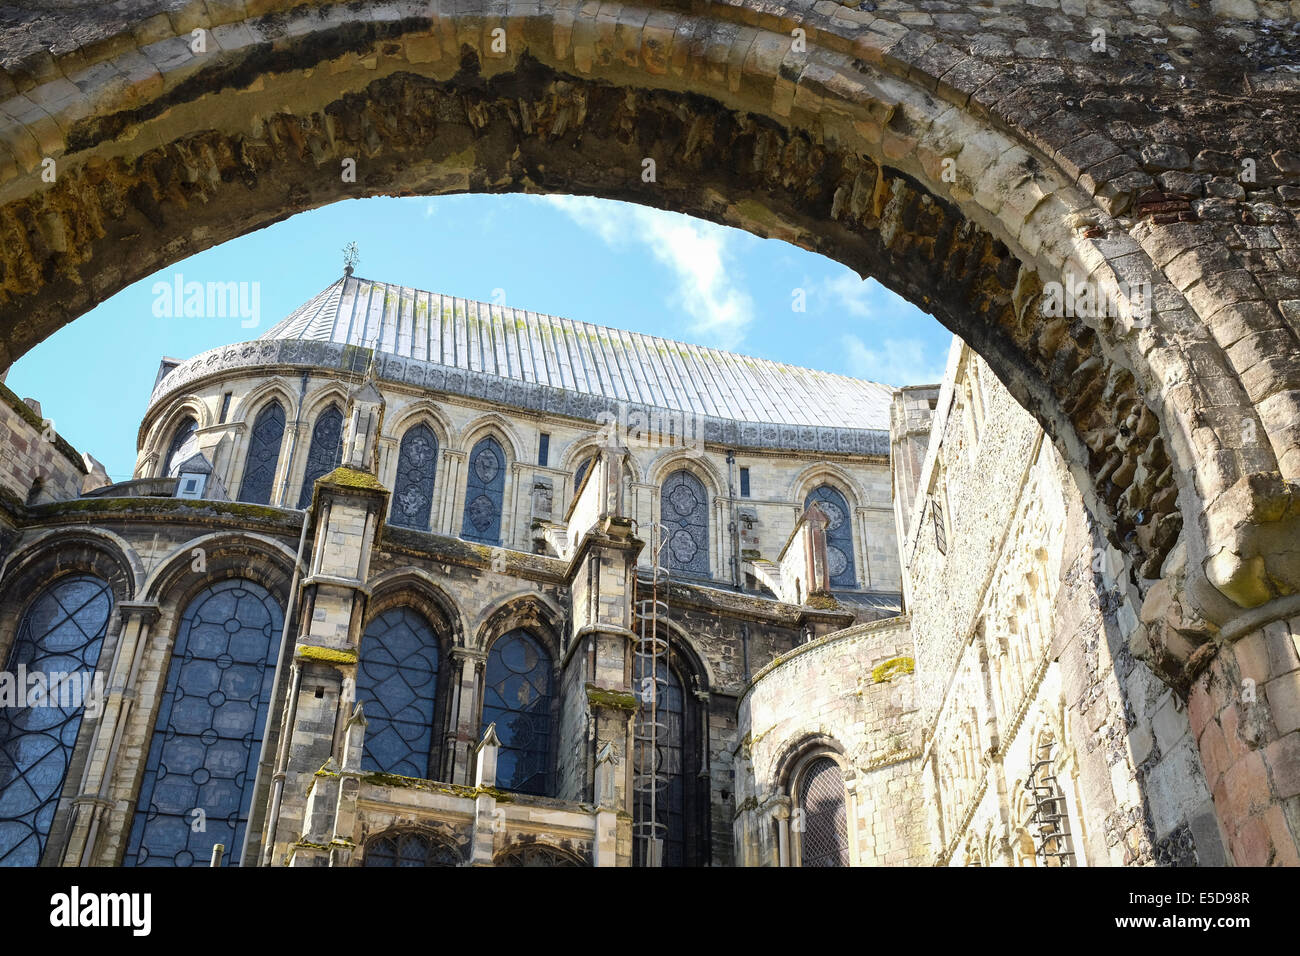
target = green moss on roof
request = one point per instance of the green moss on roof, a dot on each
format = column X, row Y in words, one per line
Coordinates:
column 352, row 478
column 884, row 673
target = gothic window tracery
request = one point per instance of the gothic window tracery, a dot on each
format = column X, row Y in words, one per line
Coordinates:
column 61, row 633
column 684, row 512
column 839, row 535
column 397, row 682
column 535, row 854
column 484, row 492
column 665, row 761
column 823, row 827
column 324, row 453
column 263, row 455
column 417, row 461
column 184, row 432
column 204, row 750
column 406, row 848
column 517, row 697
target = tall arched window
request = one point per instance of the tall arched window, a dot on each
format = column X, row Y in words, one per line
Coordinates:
column 325, row 453
column 518, row 698
column 184, row 432
column 824, row 833
column 536, row 854
column 263, row 455
column 839, row 535
column 484, row 491
column 397, row 682
column 61, row 633
column 582, row 472
column 409, row 849
column 664, row 763
column 684, row 511
column 417, row 459
column 203, row 755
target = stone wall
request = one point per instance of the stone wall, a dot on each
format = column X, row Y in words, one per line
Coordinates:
column 850, row 693
column 36, row 464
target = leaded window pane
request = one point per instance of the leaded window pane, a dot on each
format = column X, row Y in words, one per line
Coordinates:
column 59, row 637
column 410, row 849
column 325, row 452
column 824, row 839
column 839, row 535
column 669, row 713
column 183, row 434
column 684, row 511
column 396, row 682
column 582, row 472
column 263, row 455
column 517, row 698
column 204, row 750
column 484, row 490
column 417, row 460
column 531, row 854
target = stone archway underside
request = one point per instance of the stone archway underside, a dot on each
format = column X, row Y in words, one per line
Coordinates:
column 964, row 160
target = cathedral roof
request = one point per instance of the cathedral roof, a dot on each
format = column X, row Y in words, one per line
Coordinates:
column 541, row 362
column 533, row 347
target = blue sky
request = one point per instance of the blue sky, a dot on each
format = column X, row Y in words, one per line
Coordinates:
column 605, row 262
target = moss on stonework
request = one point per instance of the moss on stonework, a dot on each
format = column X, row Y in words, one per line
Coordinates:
column 604, row 697
column 822, row 602
column 328, row 655
column 884, row 673
column 455, row 790
column 750, row 554
column 352, row 478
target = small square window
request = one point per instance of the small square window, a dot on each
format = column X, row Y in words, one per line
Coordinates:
column 744, row 482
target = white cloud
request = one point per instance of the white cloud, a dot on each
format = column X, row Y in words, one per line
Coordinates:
column 430, row 208
column 895, row 362
column 850, row 292
column 696, row 252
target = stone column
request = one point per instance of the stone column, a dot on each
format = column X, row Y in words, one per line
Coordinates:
column 781, row 814
column 466, row 679
column 92, row 807
column 346, row 513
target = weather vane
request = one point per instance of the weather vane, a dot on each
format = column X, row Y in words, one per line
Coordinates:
column 351, row 256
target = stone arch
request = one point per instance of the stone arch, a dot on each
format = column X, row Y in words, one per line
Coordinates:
column 963, row 181
column 245, row 410
column 154, row 448
column 826, row 473
column 443, row 850
column 418, row 589
column 541, row 846
column 175, row 581
column 498, row 427
column 701, row 466
column 244, row 415
column 422, row 411
column 524, row 609
column 318, row 400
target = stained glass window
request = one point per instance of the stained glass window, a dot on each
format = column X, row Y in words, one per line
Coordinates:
column 263, row 455
column 325, row 452
column 582, row 472
column 183, row 434
column 410, row 849
column 417, row 458
column 517, row 698
column 839, row 535
column 824, row 839
column 59, row 637
column 670, row 794
column 684, row 510
column 396, row 682
column 484, row 490
column 203, row 755
column 532, row 854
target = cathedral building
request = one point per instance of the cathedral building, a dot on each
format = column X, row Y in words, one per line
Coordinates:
column 415, row 580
